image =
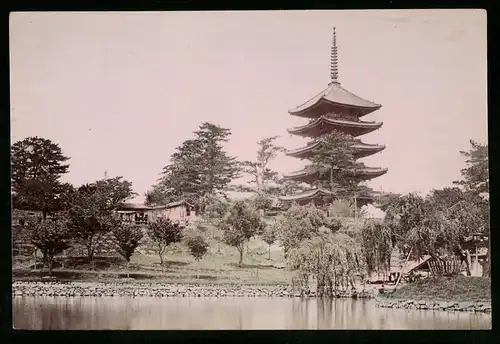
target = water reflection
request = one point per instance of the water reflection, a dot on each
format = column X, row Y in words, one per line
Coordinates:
column 60, row 313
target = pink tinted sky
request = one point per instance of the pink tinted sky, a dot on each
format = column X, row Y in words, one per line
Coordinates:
column 119, row 91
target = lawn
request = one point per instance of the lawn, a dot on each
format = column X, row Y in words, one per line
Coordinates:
column 456, row 288
column 219, row 266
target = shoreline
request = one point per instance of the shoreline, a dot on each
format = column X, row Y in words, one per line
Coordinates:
column 138, row 289
column 471, row 306
column 172, row 290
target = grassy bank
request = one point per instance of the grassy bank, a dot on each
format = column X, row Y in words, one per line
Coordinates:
column 457, row 288
column 219, row 266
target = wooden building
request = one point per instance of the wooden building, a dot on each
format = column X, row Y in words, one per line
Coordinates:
column 179, row 212
column 333, row 109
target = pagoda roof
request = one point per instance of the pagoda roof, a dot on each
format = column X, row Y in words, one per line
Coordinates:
column 306, row 173
column 355, row 128
column 307, row 195
column 361, row 149
column 337, row 96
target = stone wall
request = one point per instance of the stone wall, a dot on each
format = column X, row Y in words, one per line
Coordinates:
column 131, row 288
column 434, row 305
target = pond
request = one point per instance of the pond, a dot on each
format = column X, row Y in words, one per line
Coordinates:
column 128, row 313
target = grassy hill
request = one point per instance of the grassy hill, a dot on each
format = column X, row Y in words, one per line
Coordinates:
column 456, row 288
column 218, row 266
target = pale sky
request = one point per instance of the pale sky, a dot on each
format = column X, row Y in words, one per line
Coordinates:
column 119, row 91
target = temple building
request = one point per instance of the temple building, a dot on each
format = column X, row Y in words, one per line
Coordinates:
column 333, row 110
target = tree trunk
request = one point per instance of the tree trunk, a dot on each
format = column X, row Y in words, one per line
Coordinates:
column 34, row 253
column 49, row 263
column 161, row 259
column 90, row 256
column 467, row 262
column 331, row 179
column 128, row 271
column 269, row 257
column 355, row 212
column 240, row 249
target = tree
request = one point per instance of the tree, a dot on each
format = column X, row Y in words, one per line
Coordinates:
column 50, row 236
column 333, row 258
column 162, row 233
column 476, row 173
column 127, row 239
column 335, row 160
column 196, row 244
column 240, row 224
column 259, row 169
column 199, row 167
column 476, row 181
column 36, row 158
column 37, row 165
column 446, row 197
column 269, row 237
column 377, row 245
column 299, row 223
column 462, row 220
column 91, row 214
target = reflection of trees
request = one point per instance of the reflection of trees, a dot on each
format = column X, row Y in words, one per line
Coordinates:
column 300, row 314
column 325, row 310
column 144, row 313
column 320, row 313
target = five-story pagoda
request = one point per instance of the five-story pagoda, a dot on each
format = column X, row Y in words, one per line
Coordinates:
column 333, row 110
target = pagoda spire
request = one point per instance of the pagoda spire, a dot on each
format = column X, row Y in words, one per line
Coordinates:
column 334, row 63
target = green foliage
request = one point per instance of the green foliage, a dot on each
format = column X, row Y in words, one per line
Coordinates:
column 299, row 223
column 36, row 158
column 341, row 208
column 335, row 160
column 198, row 167
column 376, row 241
column 333, row 258
column 240, row 224
column 37, row 165
column 441, row 224
column 91, row 212
column 476, row 173
column 269, row 236
column 262, row 201
column 162, row 233
column 196, row 244
column 50, row 236
column 259, row 170
column 127, row 239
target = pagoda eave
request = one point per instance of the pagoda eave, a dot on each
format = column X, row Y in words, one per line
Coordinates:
column 324, row 106
column 337, row 97
column 361, row 150
column 309, row 175
column 318, row 195
column 325, row 125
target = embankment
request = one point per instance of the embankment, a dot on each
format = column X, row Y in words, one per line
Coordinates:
column 71, row 289
column 456, row 293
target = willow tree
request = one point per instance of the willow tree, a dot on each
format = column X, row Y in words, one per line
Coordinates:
column 377, row 245
column 334, row 259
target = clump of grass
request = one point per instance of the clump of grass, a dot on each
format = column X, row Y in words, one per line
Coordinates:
column 453, row 288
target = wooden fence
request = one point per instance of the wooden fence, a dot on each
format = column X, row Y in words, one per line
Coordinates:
column 445, row 266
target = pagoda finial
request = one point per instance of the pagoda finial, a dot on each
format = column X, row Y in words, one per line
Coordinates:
column 334, row 63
